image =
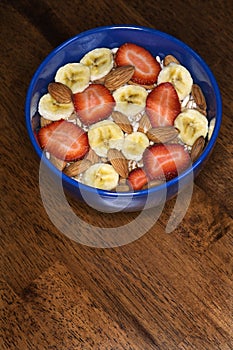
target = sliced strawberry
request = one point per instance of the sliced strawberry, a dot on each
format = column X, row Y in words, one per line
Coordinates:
column 146, row 67
column 64, row 140
column 163, row 105
column 137, row 179
column 93, row 104
column 165, row 161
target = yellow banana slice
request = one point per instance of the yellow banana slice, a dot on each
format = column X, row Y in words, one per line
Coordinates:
column 191, row 125
column 75, row 75
column 100, row 62
column 102, row 176
column 134, row 145
column 50, row 109
column 130, row 99
column 180, row 78
column 105, row 135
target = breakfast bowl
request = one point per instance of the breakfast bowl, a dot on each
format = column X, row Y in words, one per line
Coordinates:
column 202, row 97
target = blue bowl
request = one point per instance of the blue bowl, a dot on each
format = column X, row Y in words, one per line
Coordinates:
column 158, row 43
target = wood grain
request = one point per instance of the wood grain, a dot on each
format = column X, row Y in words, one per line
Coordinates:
column 163, row 291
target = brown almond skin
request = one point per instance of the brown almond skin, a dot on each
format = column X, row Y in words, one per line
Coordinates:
column 77, row 167
column 197, row 148
column 199, row 97
column 92, row 156
column 122, row 121
column 144, row 123
column 170, row 59
column 118, row 77
column 162, row 134
column 119, row 162
column 60, row 92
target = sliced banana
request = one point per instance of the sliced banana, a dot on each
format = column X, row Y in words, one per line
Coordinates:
column 211, row 128
column 105, row 135
column 75, row 75
column 50, row 109
column 134, row 145
column 130, row 99
column 100, row 62
column 191, row 125
column 102, row 176
column 180, row 78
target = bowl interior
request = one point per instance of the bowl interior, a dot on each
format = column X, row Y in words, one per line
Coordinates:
column 158, row 43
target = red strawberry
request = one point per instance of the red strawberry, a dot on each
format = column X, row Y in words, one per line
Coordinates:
column 167, row 161
column 64, row 140
column 93, row 104
column 146, row 67
column 163, row 105
column 137, row 178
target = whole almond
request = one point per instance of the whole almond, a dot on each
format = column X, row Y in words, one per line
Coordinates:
column 144, row 123
column 153, row 183
column 170, row 59
column 44, row 122
column 58, row 163
column 162, row 134
column 147, row 87
column 119, row 162
column 77, row 167
column 197, row 148
column 122, row 188
column 118, row 77
column 92, row 156
column 198, row 96
column 60, row 92
column 122, row 121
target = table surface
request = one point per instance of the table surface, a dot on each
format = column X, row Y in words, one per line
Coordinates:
column 162, row 291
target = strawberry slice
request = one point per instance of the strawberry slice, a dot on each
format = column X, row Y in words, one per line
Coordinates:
column 64, row 140
column 163, row 105
column 146, row 67
column 165, row 161
column 93, row 104
column 137, row 179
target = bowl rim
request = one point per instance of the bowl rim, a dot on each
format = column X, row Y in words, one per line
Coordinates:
column 133, row 194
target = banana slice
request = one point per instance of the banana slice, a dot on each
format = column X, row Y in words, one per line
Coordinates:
column 211, row 128
column 102, row 176
column 179, row 76
column 130, row 99
column 105, row 135
column 134, row 145
column 50, row 109
column 100, row 62
column 191, row 124
column 75, row 75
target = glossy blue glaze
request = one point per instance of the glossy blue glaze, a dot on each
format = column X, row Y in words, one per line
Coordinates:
column 158, row 43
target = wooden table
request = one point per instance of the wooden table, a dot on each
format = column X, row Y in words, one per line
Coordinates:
column 162, row 291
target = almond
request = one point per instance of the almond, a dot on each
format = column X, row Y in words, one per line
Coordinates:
column 58, row 163
column 118, row 77
column 122, row 121
column 162, row 134
column 197, row 148
column 147, row 87
column 119, row 162
column 60, row 92
column 153, row 183
column 92, row 156
column 77, row 168
column 44, row 122
column 170, row 59
column 198, row 96
column 144, row 123
column 122, row 188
